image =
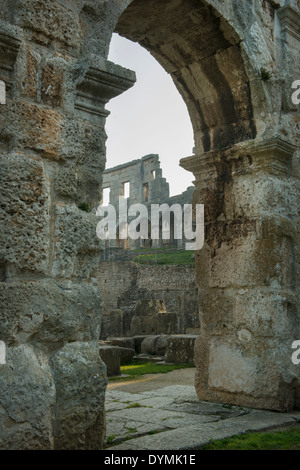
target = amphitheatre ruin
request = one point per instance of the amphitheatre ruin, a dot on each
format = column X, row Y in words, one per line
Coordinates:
column 64, row 292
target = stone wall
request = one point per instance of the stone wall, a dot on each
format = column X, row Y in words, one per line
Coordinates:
column 164, row 278
column 146, row 186
column 138, row 173
column 140, row 299
column 52, row 155
column 115, row 279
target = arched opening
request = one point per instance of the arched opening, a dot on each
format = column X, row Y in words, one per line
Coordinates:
column 150, row 118
column 202, row 54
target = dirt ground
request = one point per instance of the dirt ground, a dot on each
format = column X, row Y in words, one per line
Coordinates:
column 155, row 381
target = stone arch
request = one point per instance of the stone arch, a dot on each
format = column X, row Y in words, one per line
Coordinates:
column 202, row 53
column 210, row 53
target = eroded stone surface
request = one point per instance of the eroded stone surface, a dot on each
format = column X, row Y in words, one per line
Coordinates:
column 52, row 152
column 137, row 422
column 27, row 395
column 80, row 378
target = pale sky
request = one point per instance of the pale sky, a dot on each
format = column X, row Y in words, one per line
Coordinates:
column 149, row 118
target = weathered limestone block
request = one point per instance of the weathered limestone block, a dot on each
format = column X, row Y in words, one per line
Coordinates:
column 122, row 342
column 269, row 316
column 247, row 296
column 256, row 372
column 80, row 383
column 32, row 62
column 112, row 322
column 73, row 227
column 155, row 345
column 161, row 345
column 148, row 344
column 272, row 193
column 161, row 323
column 234, row 265
column 126, row 354
column 66, row 182
column 124, row 346
column 187, row 311
column 216, row 308
column 102, row 81
column 83, row 141
column 142, row 325
column 48, row 22
column 57, row 81
column 27, row 400
column 33, row 128
column 180, row 349
column 25, row 211
column 150, row 317
column 49, row 314
column 110, row 355
column 176, row 348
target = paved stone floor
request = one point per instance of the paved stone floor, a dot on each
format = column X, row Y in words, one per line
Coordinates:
column 163, row 413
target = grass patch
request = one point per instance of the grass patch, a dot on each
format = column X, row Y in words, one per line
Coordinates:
column 135, row 405
column 276, row 440
column 131, row 430
column 138, row 369
column 180, row 257
column 111, row 438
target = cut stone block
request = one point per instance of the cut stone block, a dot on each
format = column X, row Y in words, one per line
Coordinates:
column 180, row 349
column 110, row 355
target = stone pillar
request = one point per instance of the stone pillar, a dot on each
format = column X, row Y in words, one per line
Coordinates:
column 52, row 154
column 247, row 275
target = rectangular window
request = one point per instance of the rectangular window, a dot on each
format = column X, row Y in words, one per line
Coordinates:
column 153, row 174
column 106, row 197
column 2, row 93
column 126, row 190
column 146, row 192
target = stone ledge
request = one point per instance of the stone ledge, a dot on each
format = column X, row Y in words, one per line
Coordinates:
column 290, row 21
column 101, row 83
column 271, row 155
